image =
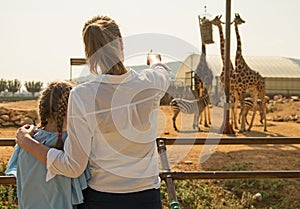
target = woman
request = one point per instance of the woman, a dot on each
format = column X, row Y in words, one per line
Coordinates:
column 112, row 122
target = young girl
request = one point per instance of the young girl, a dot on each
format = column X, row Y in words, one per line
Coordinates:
column 33, row 191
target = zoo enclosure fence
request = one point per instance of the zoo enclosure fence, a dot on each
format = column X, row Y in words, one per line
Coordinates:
column 168, row 176
column 208, row 174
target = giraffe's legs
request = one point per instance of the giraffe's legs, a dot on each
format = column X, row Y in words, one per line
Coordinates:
column 265, row 113
column 196, row 121
column 254, row 96
column 234, row 110
column 240, row 115
column 206, row 116
column 174, row 119
column 232, row 115
column 201, row 118
column 242, row 102
column 264, row 109
column 208, row 111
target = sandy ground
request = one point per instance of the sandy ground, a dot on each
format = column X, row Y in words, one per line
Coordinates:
column 259, row 157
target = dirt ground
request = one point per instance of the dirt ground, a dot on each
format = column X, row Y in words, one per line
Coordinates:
column 198, row 157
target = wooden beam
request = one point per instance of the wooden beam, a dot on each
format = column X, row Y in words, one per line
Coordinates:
column 231, row 141
column 208, row 175
column 7, row 180
column 208, row 141
column 77, row 61
column 231, row 175
column 7, row 142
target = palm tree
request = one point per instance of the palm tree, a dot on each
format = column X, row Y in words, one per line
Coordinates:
column 33, row 86
column 3, row 85
column 13, row 86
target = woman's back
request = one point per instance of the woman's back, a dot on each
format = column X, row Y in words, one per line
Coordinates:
column 121, row 114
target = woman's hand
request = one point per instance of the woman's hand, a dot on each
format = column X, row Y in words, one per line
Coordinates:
column 23, row 134
column 25, row 141
column 153, row 58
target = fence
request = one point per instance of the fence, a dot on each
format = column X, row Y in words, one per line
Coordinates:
column 208, row 174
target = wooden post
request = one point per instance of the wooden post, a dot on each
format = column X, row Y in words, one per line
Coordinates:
column 226, row 127
column 71, row 73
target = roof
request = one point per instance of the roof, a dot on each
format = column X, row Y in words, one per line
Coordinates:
column 267, row 66
column 275, row 66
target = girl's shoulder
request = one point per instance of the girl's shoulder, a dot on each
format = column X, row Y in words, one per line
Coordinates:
column 47, row 137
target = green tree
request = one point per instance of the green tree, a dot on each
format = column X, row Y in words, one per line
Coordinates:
column 13, row 86
column 3, row 85
column 33, row 86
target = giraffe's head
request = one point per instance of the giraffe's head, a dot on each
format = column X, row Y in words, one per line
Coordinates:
column 238, row 20
column 217, row 21
column 201, row 19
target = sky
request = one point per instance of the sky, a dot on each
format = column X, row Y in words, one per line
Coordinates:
column 38, row 38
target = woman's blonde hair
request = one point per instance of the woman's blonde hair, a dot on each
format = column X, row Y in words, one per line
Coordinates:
column 54, row 104
column 103, row 45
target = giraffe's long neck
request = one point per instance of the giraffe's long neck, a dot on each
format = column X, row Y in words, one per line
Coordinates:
column 203, row 62
column 203, row 49
column 239, row 44
column 222, row 48
column 222, row 43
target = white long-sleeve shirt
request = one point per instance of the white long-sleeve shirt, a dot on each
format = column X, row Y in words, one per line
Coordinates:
column 112, row 123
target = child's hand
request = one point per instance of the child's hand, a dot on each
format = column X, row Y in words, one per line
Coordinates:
column 153, row 58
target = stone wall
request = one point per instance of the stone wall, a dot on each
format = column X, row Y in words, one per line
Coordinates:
column 17, row 118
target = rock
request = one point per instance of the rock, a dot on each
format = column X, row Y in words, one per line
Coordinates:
column 271, row 108
column 277, row 97
column 287, row 118
column 24, row 121
column 19, row 123
column 7, row 123
column 14, row 113
column 278, row 118
column 295, row 98
column 18, row 117
column 294, row 117
column 27, row 120
column 5, row 117
column 2, row 111
column 15, row 117
column 257, row 197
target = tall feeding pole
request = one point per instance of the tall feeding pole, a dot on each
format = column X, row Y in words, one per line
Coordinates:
column 227, row 128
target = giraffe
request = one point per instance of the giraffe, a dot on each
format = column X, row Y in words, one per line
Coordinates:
column 206, row 76
column 247, row 79
column 217, row 22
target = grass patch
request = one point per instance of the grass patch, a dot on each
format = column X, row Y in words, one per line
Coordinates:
column 276, row 193
column 8, row 193
column 195, row 194
column 211, row 194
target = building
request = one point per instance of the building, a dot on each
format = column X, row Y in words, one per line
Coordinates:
column 282, row 75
